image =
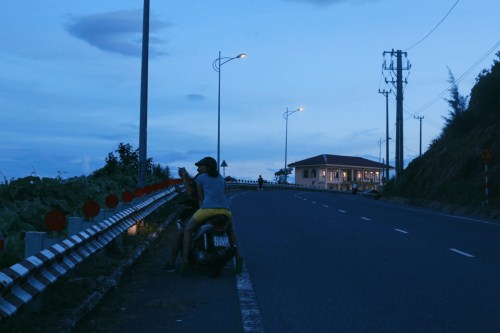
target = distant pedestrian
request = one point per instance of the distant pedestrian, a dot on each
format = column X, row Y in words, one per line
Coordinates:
column 261, row 182
column 355, row 188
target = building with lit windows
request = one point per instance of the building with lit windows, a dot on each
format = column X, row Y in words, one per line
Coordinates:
column 339, row 172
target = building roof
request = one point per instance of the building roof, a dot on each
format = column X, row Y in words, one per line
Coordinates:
column 338, row 160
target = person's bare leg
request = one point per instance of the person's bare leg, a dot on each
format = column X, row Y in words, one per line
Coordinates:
column 188, row 230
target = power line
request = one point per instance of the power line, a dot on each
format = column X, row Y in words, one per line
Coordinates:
column 437, row 25
column 481, row 59
column 461, row 77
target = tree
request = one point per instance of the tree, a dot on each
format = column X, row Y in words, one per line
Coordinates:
column 458, row 103
column 159, row 172
column 230, row 179
column 111, row 163
column 282, row 174
column 128, row 156
column 126, row 163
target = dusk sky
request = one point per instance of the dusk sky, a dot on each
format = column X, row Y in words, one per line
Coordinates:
column 70, row 79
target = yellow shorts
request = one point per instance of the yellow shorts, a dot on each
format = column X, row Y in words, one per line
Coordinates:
column 204, row 213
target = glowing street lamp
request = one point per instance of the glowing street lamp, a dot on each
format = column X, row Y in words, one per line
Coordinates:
column 286, row 115
column 217, row 64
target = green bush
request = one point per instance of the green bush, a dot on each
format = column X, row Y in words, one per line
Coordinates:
column 24, row 202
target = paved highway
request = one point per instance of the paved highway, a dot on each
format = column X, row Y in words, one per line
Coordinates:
column 322, row 262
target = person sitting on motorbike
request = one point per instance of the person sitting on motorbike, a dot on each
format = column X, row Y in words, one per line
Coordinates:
column 210, row 187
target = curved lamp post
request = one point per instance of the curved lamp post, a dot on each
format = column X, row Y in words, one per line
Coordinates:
column 285, row 115
column 217, row 64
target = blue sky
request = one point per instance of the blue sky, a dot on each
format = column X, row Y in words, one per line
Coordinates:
column 70, row 79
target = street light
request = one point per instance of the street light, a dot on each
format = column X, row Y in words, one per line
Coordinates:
column 285, row 115
column 217, row 64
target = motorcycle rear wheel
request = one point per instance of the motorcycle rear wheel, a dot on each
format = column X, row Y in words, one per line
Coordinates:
column 215, row 267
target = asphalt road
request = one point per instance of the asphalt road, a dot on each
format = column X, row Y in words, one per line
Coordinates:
column 323, row 262
column 151, row 300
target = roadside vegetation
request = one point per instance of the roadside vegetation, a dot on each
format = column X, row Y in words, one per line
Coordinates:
column 451, row 173
column 24, row 202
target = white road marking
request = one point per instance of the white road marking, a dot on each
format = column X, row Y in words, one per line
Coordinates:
column 401, row 231
column 325, row 206
column 365, row 218
column 250, row 313
column 313, row 202
column 469, row 219
column 342, row 211
column 462, row 253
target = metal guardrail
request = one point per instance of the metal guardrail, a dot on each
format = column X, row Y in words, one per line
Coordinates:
column 275, row 186
column 253, row 185
column 21, row 282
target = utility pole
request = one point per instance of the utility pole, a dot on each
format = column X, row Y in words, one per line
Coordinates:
column 386, row 94
column 420, row 119
column 398, row 84
column 143, row 125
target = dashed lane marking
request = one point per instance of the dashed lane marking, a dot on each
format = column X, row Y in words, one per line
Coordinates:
column 401, row 231
column 462, row 253
column 326, row 206
column 365, row 218
column 342, row 211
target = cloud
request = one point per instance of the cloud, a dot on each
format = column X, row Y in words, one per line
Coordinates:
column 195, row 97
column 118, row 32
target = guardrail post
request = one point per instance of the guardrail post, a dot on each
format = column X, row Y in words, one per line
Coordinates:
column 35, row 241
column 104, row 214
column 122, row 206
column 77, row 224
column 108, row 212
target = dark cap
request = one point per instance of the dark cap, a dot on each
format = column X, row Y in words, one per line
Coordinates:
column 208, row 161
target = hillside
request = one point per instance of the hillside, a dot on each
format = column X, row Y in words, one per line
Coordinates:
column 450, row 175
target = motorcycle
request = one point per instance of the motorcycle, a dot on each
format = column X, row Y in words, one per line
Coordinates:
column 211, row 246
